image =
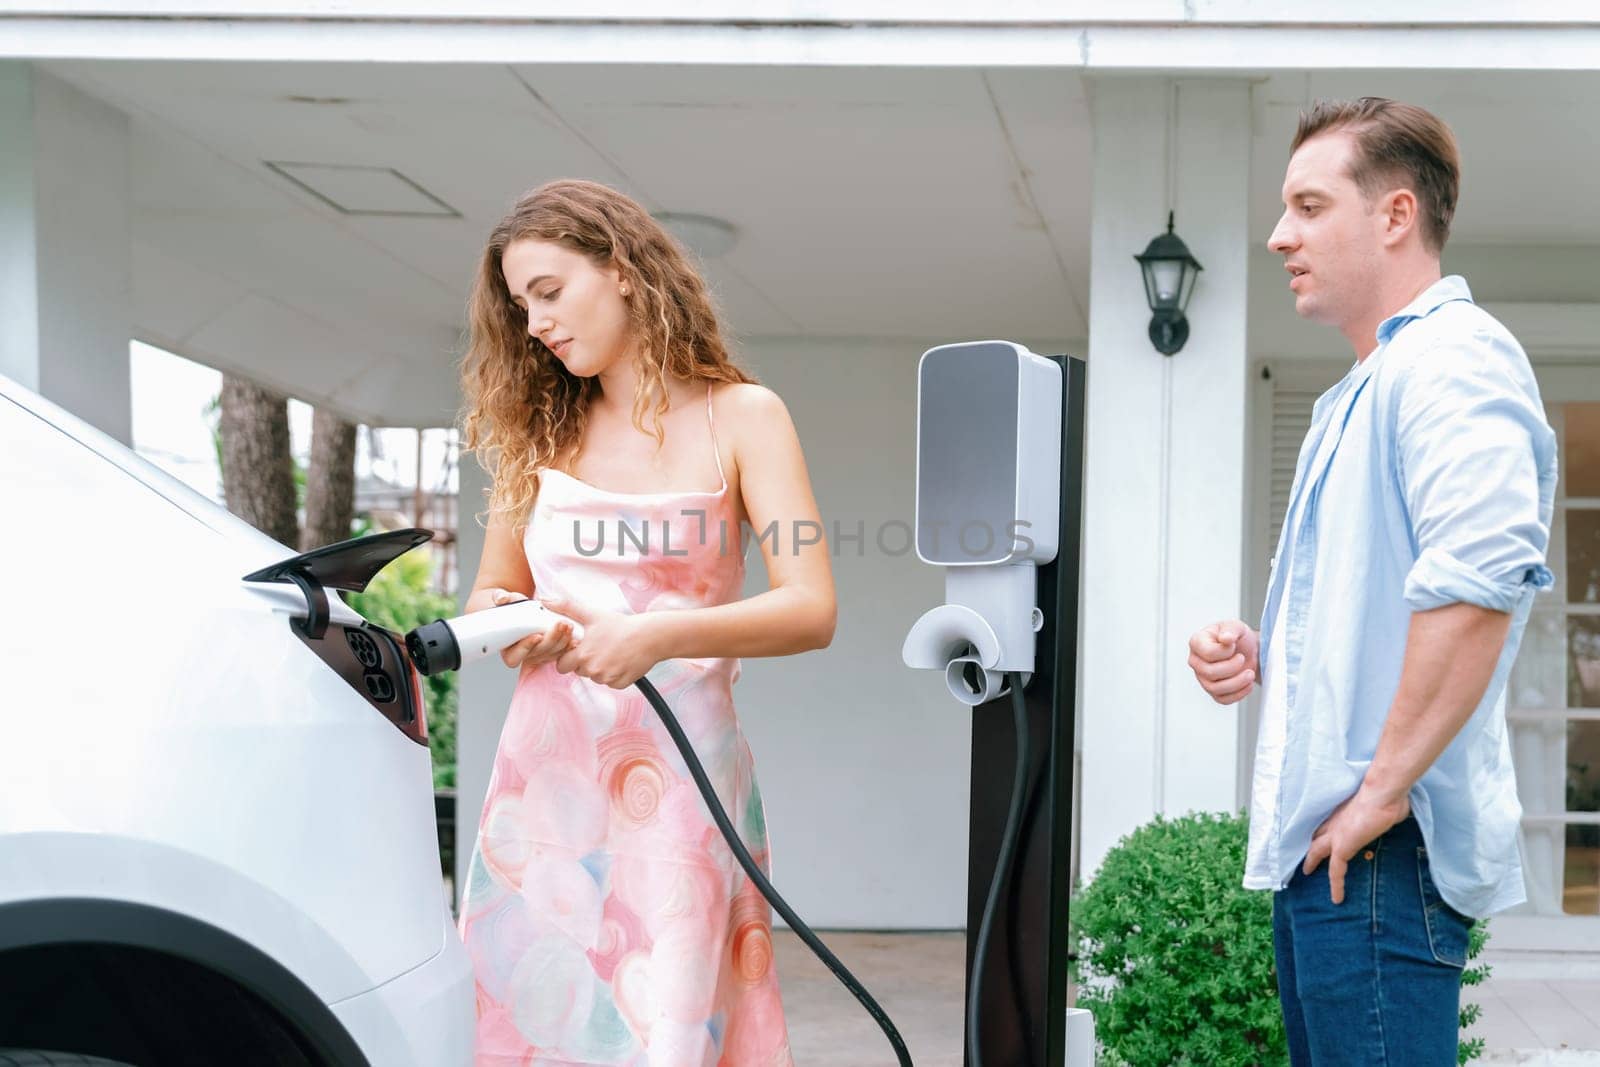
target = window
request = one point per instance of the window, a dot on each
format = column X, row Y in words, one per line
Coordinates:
column 1553, row 701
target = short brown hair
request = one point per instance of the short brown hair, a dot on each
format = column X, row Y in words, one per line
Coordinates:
column 1395, row 142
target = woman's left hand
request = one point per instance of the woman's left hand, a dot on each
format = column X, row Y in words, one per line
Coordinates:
column 614, row 650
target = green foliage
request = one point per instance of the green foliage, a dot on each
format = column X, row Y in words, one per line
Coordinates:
column 400, row 599
column 1174, row 955
column 1471, row 1048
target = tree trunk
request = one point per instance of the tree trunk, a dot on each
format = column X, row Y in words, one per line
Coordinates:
column 330, row 481
column 257, row 469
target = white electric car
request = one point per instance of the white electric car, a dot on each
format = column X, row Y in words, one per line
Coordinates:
column 217, row 833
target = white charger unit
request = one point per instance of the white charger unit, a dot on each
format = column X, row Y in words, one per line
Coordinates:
column 988, row 499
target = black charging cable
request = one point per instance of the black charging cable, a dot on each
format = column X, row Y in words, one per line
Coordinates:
column 1002, row 870
column 742, row 854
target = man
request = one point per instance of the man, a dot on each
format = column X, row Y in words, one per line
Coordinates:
column 1384, row 812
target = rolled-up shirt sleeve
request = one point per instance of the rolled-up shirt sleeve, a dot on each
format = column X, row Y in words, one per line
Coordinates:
column 1476, row 463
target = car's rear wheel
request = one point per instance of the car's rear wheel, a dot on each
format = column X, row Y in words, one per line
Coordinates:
column 139, row 1008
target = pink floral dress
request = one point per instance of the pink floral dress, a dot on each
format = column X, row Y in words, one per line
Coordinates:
column 606, row 918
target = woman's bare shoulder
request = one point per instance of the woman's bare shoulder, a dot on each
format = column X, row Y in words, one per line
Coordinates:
column 748, row 402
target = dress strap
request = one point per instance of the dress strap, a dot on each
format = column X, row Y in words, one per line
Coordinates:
column 715, row 451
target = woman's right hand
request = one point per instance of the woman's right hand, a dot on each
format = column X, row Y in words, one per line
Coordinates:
column 535, row 648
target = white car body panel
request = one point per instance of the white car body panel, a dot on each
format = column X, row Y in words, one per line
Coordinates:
column 185, row 750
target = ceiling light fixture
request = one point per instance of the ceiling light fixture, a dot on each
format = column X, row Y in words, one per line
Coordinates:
column 705, row 236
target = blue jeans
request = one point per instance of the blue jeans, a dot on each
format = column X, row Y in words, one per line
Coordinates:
column 1375, row 981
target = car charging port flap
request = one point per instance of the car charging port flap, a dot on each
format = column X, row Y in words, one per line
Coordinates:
column 370, row 659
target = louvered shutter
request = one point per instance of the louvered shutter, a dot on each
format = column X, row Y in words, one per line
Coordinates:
column 1291, row 418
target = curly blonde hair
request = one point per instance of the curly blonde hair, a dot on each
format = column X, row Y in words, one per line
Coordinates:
column 524, row 410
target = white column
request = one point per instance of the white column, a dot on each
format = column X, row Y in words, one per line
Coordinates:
column 1165, row 479
column 65, row 247
column 484, row 693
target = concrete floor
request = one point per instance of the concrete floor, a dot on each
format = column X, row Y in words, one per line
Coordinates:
column 1559, row 1018
column 918, row 978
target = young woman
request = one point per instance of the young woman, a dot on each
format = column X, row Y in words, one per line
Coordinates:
column 607, row 920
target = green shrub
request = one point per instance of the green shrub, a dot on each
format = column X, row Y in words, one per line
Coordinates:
column 402, row 598
column 1174, row 955
column 1472, row 1048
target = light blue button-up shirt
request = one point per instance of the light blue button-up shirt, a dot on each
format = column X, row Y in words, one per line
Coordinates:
column 1436, row 487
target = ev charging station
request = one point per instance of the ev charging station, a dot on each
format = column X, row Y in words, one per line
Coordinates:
column 999, row 505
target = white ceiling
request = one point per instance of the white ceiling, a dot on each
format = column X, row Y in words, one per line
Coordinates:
column 870, row 202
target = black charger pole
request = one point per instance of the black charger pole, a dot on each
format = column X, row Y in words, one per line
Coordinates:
column 1024, row 1009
